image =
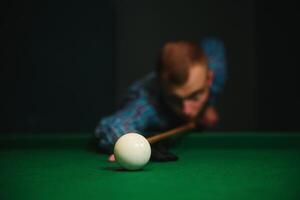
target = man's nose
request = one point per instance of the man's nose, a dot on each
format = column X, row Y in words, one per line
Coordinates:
column 187, row 107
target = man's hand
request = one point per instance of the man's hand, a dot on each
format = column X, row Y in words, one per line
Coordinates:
column 210, row 117
column 111, row 158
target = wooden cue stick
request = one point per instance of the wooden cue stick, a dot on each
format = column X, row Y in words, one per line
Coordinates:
column 171, row 132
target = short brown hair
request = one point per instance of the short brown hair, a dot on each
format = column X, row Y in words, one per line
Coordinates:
column 175, row 60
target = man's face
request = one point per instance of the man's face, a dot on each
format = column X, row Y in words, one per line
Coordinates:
column 188, row 100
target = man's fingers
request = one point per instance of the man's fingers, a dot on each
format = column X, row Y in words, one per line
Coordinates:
column 112, row 158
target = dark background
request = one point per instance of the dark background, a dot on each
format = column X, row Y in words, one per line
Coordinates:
column 64, row 64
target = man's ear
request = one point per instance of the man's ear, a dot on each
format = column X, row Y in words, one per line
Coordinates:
column 210, row 77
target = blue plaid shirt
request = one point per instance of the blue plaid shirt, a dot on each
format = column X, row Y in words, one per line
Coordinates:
column 144, row 112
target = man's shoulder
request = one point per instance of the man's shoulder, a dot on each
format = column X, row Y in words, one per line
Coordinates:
column 215, row 51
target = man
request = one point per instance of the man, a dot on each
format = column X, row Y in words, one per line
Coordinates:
column 183, row 88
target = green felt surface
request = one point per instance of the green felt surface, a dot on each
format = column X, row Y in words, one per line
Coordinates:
column 211, row 166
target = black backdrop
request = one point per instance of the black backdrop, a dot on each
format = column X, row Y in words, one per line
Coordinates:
column 57, row 68
column 64, row 64
column 278, row 52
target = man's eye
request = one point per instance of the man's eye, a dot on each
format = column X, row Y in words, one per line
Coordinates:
column 196, row 96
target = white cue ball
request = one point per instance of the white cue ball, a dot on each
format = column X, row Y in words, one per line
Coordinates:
column 132, row 151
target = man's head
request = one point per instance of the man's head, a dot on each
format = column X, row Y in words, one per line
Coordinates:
column 184, row 77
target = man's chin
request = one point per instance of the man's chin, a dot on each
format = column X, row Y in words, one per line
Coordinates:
column 188, row 118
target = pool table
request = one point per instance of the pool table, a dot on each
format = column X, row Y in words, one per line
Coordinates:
column 211, row 165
